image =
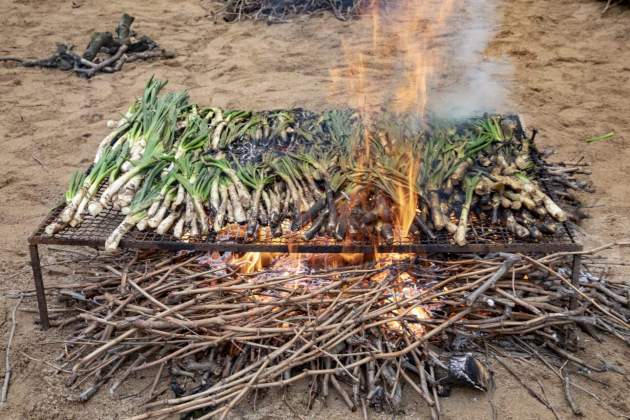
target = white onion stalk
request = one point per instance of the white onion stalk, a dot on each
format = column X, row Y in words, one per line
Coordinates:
column 154, row 208
column 194, row 228
column 142, row 224
column 68, row 213
column 538, row 196
column 460, row 233
column 178, row 230
column 224, row 166
column 166, row 224
column 91, row 183
column 54, row 227
column 130, row 189
column 221, row 211
column 266, row 198
column 157, row 202
column 116, row 204
column 201, row 216
column 229, row 216
column 76, row 219
column 114, row 187
column 216, row 136
column 108, row 139
column 95, row 207
column 215, row 198
column 161, row 213
column 188, row 212
column 135, row 154
column 154, row 148
column 122, row 202
column 112, row 242
column 237, row 206
column 179, row 198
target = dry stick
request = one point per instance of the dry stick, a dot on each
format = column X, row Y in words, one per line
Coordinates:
column 544, row 394
column 566, row 382
column 507, row 264
column 241, row 394
column 595, row 250
column 416, row 388
column 145, row 55
column 573, row 358
column 568, row 283
column 342, row 392
column 421, row 391
column 529, row 389
column 436, row 397
column 57, row 368
column 608, row 4
column 519, row 301
column 156, row 380
column 92, row 71
column 168, row 270
column 7, row 361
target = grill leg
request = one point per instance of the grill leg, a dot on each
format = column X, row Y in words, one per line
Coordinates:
column 39, row 286
column 575, row 277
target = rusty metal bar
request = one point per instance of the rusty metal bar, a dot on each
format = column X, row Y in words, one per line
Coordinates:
column 39, row 286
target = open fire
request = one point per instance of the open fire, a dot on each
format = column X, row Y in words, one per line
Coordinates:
column 225, row 331
column 228, row 325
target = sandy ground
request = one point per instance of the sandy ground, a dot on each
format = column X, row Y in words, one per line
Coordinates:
column 570, row 79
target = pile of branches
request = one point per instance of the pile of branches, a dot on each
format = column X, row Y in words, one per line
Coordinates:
column 105, row 53
column 611, row 3
column 280, row 10
column 362, row 332
column 173, row 167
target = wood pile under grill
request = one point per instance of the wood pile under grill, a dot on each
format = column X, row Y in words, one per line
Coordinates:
column 224, row 337
column 176, row 168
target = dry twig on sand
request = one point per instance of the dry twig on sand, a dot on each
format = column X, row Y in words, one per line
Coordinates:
column 7, row 356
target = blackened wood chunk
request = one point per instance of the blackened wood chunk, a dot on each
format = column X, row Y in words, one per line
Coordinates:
column 143, row 44
column 99, row 40
column 123, row 30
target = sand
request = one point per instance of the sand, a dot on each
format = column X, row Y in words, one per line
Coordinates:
column 570, row 79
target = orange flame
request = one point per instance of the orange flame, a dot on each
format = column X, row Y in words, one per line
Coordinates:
column 395, row 70
column 402, row 57
column 408, row 196
column 250, row 262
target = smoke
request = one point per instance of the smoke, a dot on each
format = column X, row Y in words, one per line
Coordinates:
column 468, row 82
column 426, row 57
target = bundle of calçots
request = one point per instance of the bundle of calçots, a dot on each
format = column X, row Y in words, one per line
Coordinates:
column 176, row 168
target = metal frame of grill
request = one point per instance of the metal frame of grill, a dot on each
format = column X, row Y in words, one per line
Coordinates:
column 482, row 239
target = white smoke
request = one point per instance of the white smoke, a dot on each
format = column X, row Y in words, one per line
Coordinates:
column 468, row 81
